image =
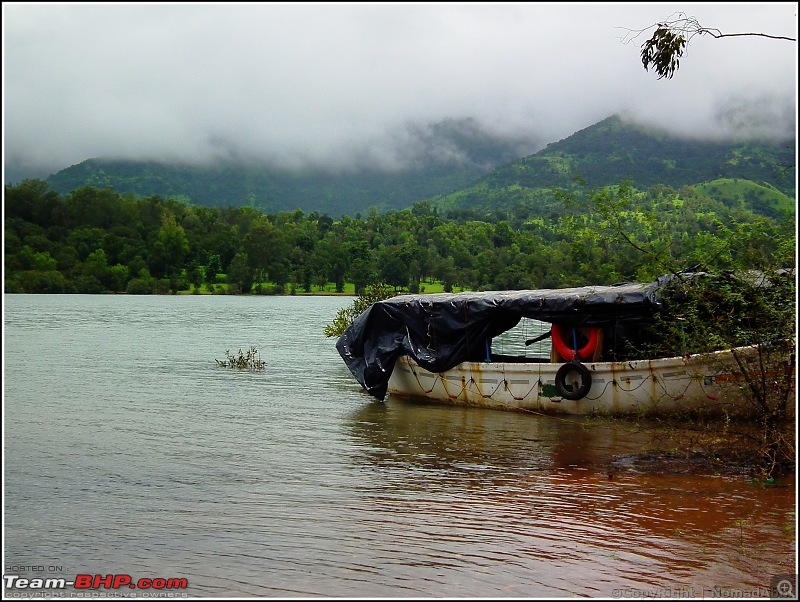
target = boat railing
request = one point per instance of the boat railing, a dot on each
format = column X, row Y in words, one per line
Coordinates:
column 517, row 359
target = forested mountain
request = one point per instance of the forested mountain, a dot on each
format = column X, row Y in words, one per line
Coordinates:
column 459, row 167
column 424, row 162
column 548, row 219
column 612, row 151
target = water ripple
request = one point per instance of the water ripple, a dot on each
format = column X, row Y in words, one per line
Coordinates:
column 128, row 450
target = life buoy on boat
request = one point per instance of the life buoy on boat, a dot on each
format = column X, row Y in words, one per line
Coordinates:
column 580, row 381
column 566, row 349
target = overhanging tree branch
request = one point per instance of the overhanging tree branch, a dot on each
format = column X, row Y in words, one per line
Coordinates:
column 663, row 51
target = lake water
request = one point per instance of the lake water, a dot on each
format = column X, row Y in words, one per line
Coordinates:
column 128, row 451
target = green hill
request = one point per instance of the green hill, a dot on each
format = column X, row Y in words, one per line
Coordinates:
column 761, row 198
column 612, row 151
column 438, row 159
column 480, row 173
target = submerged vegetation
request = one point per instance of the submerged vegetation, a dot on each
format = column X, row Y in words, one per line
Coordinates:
column 747, row 303
column 730, row 311
column 243, row 360
column 748, row 300
column 344, row 317
column 97, row 241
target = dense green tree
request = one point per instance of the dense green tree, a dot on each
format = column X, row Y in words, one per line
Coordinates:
column 264, row 246
column 330, row 261
column 119, row 277
column 96, row 268
column 32, row 201
column 177, row 244
column 393, row 270
column 143, row 284
column 240, row 274
column 173, row 244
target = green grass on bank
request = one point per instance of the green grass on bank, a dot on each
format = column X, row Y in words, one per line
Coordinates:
column 268, row 288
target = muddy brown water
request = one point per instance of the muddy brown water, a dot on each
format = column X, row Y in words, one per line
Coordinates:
column 129, row 451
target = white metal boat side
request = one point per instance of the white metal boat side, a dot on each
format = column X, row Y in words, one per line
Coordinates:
column 708, row 381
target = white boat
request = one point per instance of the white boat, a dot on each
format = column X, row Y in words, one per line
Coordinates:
column 698, row 382
column 443, row 348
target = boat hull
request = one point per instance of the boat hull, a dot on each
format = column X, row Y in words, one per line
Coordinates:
column 705, row 382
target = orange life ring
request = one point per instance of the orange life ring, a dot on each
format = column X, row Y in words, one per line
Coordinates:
column 567, row 351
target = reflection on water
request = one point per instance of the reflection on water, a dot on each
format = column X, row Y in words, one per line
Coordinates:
column 431, row 437
column 128, row 451
column 527, row 499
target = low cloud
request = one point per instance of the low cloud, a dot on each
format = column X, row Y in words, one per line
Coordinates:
column 342, row 86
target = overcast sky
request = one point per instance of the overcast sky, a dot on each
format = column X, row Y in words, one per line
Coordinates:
column 320, row 83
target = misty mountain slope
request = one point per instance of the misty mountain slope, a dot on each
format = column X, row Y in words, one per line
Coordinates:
column 612, row 151
column 452, row 165
column 416, row 163
column 270, row 190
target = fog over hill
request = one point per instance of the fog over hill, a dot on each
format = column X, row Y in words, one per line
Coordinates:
column 348, row 86
column 456, row 165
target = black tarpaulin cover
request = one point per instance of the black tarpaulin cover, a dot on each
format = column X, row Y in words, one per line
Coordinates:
column 440, row 331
